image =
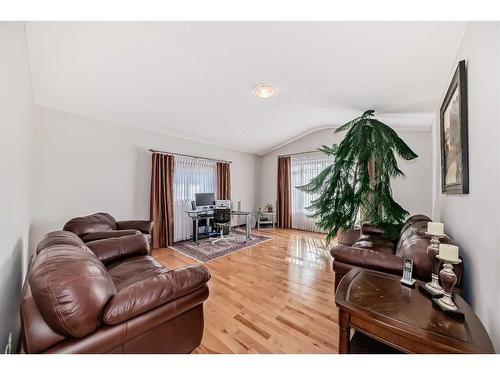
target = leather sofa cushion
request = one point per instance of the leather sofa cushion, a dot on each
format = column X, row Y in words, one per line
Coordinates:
column 152, row 292
column 94, row 236
column 375, row 260
column 117, row 338
column 370, row 229
column 99, row 222
column 375, row 242
column 144, row 226
column 71, row 287
column 130, row 270
column 59, row 237
column 110, row 250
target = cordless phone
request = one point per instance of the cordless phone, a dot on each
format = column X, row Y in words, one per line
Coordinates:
column 407, row 272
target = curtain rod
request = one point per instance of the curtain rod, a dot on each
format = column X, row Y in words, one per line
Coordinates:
column 299, row 153
column 189, row 156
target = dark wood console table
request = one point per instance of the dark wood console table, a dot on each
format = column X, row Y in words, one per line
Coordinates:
column 377, row 305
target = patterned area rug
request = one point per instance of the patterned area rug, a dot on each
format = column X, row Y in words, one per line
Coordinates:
column 204, row 251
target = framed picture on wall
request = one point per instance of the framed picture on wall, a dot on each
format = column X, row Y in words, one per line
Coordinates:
column 454, row 135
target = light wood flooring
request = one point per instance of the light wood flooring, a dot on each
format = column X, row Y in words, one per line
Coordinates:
column 275, row 297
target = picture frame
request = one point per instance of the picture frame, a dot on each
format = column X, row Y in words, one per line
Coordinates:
column 454, row 135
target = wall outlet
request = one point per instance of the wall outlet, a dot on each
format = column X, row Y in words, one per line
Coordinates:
column 8, row 347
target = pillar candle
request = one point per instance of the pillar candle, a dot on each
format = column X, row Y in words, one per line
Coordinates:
column 448, row 252
column 435, row 228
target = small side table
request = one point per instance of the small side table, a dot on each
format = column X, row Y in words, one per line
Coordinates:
column 270, row 215
column 377, row 305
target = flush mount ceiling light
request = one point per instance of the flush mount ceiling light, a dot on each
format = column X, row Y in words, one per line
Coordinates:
column 265, row 90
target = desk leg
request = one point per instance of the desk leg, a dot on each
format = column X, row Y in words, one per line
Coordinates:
column 196, row 229
column 344, row 332
column 248, row 227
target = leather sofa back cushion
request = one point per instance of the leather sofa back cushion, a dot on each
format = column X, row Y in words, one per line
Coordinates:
column 71, row 288
column 154, row 291
column 413, row 244
column 409, row 228
column 59, row 237
column 110, row 250
column 92, row 223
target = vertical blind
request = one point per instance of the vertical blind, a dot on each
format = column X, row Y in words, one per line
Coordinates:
column 190, row 176
column 304, row 169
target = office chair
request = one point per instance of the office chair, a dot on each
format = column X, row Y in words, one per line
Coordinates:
column 222, row 219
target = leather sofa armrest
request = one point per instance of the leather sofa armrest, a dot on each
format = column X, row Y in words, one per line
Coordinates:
column 365, row 258
column 147, row 294
column 110, row 250
column 370, row 229
column 145, row 226
column 93, row 236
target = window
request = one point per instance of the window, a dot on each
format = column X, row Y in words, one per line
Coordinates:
column 304, row 169
column 190, row 176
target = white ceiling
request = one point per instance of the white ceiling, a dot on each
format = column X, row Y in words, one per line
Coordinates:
column 195, row 79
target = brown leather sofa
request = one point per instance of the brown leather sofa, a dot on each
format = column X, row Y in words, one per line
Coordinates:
column 102, row 225
column 109, row 296
column 373, row 251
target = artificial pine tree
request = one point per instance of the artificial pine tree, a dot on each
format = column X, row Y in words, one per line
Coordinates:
column 360, row 179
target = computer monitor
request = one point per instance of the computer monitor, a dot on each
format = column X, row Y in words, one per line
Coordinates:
column 204, row 199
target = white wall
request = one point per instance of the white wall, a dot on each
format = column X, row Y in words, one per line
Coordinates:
column 85, row 166
column 16, row 172
column 413, row 192
column 472, row 219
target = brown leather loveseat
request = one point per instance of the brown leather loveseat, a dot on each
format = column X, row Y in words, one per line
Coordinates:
column 109, row 296
column 102, row 225
column 373, row 251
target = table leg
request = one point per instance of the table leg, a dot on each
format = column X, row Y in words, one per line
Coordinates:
column 344, row 332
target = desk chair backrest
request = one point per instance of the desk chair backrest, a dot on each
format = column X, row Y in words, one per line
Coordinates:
column 222, row 215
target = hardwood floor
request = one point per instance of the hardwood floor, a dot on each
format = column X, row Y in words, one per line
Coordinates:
column 275, row 297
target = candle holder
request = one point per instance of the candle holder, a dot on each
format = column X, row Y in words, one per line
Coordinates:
column 448, row 280
column 433, row 288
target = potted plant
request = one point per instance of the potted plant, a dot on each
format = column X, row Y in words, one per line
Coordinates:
column 358, row 183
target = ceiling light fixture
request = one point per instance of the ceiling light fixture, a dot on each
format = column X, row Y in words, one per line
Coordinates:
column 265, row 90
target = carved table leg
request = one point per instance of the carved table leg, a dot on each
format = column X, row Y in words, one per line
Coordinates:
column 344, row 332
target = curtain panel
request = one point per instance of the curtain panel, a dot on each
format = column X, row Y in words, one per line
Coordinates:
column 223, row 181
column 304, row 169
column 191, row 176
column 284, row 192
column 161, row 204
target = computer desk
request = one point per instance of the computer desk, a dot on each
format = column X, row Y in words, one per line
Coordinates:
column 208, row 213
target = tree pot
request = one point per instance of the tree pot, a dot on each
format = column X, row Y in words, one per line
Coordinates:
column 348, row 237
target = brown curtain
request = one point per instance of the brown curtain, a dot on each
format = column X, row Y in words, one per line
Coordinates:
column 284, row 192
column 223, row 181
column 162, row 192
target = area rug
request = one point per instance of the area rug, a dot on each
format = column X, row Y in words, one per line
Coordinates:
column 204, row 251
